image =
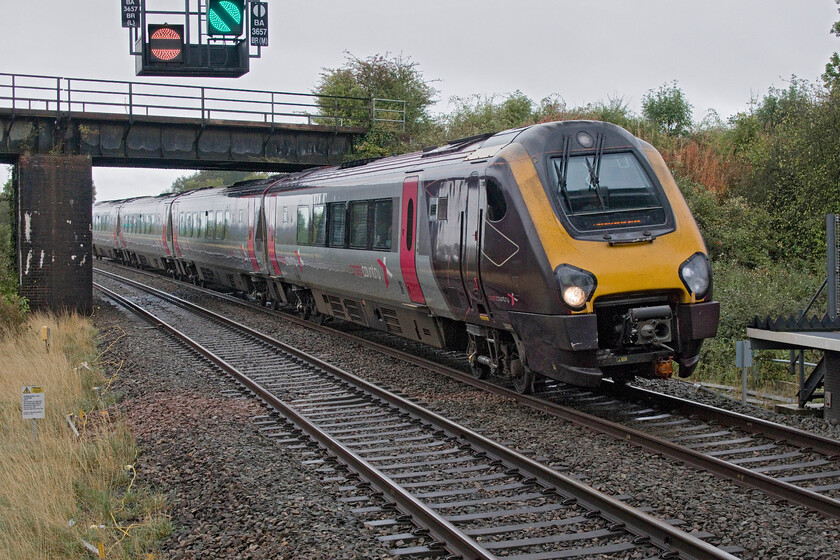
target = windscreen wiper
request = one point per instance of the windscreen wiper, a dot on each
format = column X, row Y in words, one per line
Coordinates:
column 595, row 170
column 563, row 171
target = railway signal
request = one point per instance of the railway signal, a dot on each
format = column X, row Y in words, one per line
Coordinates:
column 166, row 43
column 225, row 17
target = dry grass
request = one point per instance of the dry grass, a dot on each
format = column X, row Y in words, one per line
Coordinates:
column 45, row 484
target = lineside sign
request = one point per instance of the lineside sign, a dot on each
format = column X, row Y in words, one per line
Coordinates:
column 259, row 24
column 33, row 403
column 130, row 13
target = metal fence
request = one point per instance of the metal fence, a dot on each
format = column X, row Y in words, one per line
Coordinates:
column 142, row 99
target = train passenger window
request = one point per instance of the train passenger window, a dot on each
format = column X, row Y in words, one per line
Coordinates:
column 220, row 225
column 409, row 225
column 319, row 224
column 443, row 208
column 433, row 204
column 496, row 204
column 337, row 224
column 359, row 225
column 239, row 222
column 382, row 218
column 210, row 224
column 227, row 222
column 303, row 225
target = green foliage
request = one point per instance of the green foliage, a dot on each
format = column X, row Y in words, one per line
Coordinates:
column 13, row 308
column 211, row 178
column 744, row 293
column 735, row 232
column 668, row 109
column 383, row 77
column 789, row 143
column 479, row 114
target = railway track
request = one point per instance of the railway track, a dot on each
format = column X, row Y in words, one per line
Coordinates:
column 466, row 493
column 781, row 461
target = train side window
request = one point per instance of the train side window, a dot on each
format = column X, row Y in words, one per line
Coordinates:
column 496, row 204
column 433, row 205
column 319, row 224
column 220, row 225
column 303, row 225
column 409, row 227
column 382, row 218
column 337, row 224
column 442, row 208
column 359, row 225
column 227, row 224
column 209, row 224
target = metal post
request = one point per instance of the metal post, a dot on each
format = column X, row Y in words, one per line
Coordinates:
column 202, row 106
column 57, row 97
column 130, row 102
column 13, row 96
column 831, row 276
column 69, row 103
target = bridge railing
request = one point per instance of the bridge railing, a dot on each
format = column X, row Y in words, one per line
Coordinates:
column 64, row 96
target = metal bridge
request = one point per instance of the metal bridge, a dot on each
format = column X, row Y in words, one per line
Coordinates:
column 55, row 129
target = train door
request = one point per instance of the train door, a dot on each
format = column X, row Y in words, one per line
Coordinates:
column 256, row 227
column 271, row 218
column 472, row 219
column 408, row 241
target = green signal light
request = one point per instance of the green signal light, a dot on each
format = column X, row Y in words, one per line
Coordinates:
column 225, row 17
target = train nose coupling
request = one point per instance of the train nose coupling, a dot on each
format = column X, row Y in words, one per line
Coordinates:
column 648, row 325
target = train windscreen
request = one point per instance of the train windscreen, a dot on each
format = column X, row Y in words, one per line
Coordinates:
column 607, row 191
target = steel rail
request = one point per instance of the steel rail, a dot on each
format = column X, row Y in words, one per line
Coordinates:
column 740, row 475
column 660, row 533
column 772, row 430
column 439, row 528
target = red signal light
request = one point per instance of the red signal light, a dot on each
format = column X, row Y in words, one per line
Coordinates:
column 166, row 43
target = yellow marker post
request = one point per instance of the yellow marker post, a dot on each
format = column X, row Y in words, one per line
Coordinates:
column 45, row 336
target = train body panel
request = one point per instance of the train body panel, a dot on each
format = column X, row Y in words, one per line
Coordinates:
column 106, row 229
column 562, row 249
column 145, row 235
column 217, row 239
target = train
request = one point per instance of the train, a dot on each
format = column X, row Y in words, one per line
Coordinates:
column 561, row 250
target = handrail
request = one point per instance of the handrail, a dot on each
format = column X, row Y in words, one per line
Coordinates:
column 72, row 95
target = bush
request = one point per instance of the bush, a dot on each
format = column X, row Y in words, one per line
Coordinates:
column 13, row 308
column 735, row 232
column 744, row 293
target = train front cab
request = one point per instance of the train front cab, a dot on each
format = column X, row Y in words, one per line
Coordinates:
column 610, row 276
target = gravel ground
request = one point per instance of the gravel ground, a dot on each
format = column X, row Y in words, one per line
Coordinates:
column 233, row 492
column 736, row 516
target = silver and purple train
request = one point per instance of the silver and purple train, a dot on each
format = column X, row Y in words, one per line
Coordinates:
column 561, row 250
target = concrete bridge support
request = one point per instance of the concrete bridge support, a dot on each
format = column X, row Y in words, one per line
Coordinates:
column 53, row 202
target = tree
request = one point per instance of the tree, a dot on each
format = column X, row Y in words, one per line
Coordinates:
column 381, row 77
column 668, row 109
column 831, row 78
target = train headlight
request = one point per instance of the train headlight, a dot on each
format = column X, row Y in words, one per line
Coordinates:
column 696, row 274
column 576, row 285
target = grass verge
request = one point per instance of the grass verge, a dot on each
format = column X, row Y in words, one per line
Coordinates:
column 62, row 489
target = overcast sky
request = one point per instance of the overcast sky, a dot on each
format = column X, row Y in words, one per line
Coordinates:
column 722, row 52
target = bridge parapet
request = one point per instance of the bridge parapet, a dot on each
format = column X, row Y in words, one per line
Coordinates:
column 141, row 124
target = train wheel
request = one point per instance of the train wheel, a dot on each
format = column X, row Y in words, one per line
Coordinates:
column 523, row 378
column 479, row 371
column 275, row 304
